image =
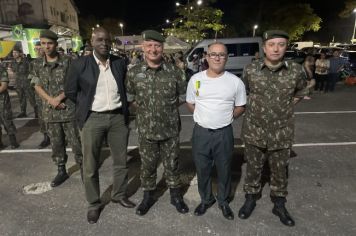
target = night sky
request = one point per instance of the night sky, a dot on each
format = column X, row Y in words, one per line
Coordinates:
column 140, row 15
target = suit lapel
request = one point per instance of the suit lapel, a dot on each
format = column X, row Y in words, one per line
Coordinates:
column 115, row 71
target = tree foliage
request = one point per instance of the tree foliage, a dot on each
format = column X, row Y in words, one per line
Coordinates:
column 294, row 18
column 194, row 23
column 350, row 5
column 88, row 23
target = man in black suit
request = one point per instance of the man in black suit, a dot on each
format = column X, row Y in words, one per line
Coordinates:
column 96, row 84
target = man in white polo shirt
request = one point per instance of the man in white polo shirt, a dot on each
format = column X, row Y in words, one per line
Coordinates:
column 215, row 97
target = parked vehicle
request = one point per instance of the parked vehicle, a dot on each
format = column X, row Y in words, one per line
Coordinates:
column 350, row 58
column 295, row 55
column 301, row 45
column 241, row 51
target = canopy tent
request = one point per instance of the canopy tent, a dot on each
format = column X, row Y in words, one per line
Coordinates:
column 173, row 43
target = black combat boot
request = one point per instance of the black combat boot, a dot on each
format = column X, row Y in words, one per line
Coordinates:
column 146, row 204
column 177, row 200
column 45, row 142
column 280, row 210
column 248, row 206
column 13, row 141
column 60, row 177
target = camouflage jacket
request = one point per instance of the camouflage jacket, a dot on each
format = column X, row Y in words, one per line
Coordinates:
column 268, row 120
column 156, row 92
column 51, row 77
column 21, row 70
column 3, row 78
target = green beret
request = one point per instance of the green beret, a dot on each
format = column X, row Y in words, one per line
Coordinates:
column 271, row 34
column 152, row 35
column 38, row 43
column 48, row 34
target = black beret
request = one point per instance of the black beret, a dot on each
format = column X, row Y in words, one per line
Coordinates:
column 271, row 34
column 17, row 49
column 152, row 35
column 48, row 34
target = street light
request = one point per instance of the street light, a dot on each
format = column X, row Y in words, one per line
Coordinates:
column 122, row 28
column 353, row 35
column 254, row 30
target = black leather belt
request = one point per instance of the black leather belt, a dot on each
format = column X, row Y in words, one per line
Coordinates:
column 116, row 111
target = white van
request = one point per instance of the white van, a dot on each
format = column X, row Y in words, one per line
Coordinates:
column 241, row 51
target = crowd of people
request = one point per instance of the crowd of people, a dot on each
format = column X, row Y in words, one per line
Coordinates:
column 84, row 102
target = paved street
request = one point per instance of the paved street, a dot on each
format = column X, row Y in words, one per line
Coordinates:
column 322, row 187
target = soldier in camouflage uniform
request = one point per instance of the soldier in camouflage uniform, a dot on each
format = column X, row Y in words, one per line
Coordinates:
column 43, row 125
column 154, row 87
column 5, row 111
column 274, row 87
column 48, row 77
column 20, row 68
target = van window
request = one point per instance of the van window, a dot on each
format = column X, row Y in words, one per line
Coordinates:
column 198, row 51
column 242, row 49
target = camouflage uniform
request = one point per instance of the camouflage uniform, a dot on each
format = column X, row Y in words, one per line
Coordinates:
column 5, row 107
column 61, row 123
column 23, row 86
column 156, row 92
column 268, row 126
column 38, row 100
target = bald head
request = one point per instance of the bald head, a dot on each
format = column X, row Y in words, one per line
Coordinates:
column 100, row 40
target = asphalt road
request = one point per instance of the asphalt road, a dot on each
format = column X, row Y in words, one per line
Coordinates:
column 322, row 187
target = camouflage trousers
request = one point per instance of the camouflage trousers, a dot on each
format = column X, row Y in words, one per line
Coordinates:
column 278, row 161
column 59, row 133
column 41, row 122
column 6, row 114
column 24, row 91
column 151, row 152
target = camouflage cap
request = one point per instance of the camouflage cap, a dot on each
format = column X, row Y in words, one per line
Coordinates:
column 153, row 35
column 271, row 34
column 48, row 34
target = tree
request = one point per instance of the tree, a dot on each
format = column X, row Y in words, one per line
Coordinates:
column 195, row 23
column 294, row 18
column 350, row 5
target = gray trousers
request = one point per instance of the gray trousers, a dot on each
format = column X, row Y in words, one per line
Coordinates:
column 213, row 147
column 113, row 127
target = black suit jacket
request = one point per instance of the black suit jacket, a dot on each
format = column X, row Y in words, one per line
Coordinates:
column 81, row 81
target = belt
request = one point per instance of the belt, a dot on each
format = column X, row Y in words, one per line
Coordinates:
column 214, row 130
column 116, row 111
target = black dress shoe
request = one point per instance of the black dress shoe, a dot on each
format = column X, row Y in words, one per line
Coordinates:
column 125, row 202
column 227, row 212
column 180, row 205
column 283, row 215
column 201, row 208
column 93, row 216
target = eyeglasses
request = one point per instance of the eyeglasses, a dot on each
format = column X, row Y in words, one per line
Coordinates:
column 215, row 55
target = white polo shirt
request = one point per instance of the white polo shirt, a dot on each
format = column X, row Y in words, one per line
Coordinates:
column 215, row 98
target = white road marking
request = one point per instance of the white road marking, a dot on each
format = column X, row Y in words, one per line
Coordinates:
column 129, row 148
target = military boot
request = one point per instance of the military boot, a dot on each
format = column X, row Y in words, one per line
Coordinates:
column 146, row 204
column 177, row 200
column 248, row 206
column 45, row 142
column 280, row 210
column 13, row 141
column 60, row 177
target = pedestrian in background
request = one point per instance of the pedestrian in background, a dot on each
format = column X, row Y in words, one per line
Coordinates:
column 48, row 77
column 274, row 87
column 5, row 111
column 39, row 103
column 20, row 68
column 215, row 97
column 154, row 86
column 322, row 66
